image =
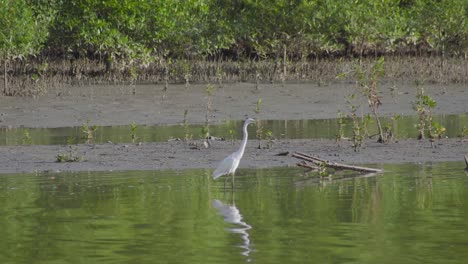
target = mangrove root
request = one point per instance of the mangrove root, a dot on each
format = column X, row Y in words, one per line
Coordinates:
column 322, row 162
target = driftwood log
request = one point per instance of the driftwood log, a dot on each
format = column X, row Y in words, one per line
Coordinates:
column 338, row 166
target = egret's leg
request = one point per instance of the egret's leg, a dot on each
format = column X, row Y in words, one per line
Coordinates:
column 225, row 180
column 232, row 182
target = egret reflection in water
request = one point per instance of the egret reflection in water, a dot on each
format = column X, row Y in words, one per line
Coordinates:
column 232, row 216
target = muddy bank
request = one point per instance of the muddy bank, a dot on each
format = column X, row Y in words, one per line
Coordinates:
column 179, row 155
column 116, row 105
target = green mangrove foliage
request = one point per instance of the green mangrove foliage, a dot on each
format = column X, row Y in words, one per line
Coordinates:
column 126, row 37
column 133, row 30
column 21, row 34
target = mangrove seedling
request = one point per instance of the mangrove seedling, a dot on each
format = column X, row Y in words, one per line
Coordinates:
column 188, row 136
column 210, row 91
column 259, row 125
column 269, row 138
column 259, row 132
column 164, row 90
column 231, row 135
column 341, row 121
column 88, row 132
column 423, row 106
column 368, row 82
column 133, row 132
column 357, row 128
column 366, row 120
column 394, row 93
column 427, row 126
column 26, row 137
column 437, row 131
column 389, row 129
column 322, row 170
column 133, row 72
column 219, row 76
column 257, row 80
column 257, row 106
column 71, row 140
column 186, row 72
column 464, row 132
column 357, row 131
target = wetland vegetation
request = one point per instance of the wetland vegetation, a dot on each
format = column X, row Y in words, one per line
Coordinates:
column 47, row 43
column 114, row 109
column 64, row 50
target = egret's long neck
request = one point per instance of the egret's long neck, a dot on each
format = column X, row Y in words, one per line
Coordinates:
column 244, row 140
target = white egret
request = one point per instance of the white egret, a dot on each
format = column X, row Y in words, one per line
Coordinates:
column 229, row 165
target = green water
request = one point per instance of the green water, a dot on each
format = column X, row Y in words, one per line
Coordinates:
column 410, row 214
column 404, row 127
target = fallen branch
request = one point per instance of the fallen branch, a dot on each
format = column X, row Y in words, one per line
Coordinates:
column 308, row 166
column 318, row 161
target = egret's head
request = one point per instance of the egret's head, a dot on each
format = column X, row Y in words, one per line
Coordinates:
column 249, row 121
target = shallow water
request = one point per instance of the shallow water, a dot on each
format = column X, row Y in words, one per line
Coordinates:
column 403, row 127
column 409, row 214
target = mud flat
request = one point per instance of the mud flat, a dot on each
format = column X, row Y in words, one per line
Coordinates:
column 178, row 155
column 108, row 105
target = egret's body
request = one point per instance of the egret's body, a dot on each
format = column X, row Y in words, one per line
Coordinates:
column 229, row 165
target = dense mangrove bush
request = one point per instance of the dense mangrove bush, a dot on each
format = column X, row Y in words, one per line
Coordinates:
column 135, row 32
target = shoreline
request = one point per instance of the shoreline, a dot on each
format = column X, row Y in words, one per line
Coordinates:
column 179, row 155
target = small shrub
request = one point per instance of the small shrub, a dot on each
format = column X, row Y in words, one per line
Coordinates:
column 70, row 156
